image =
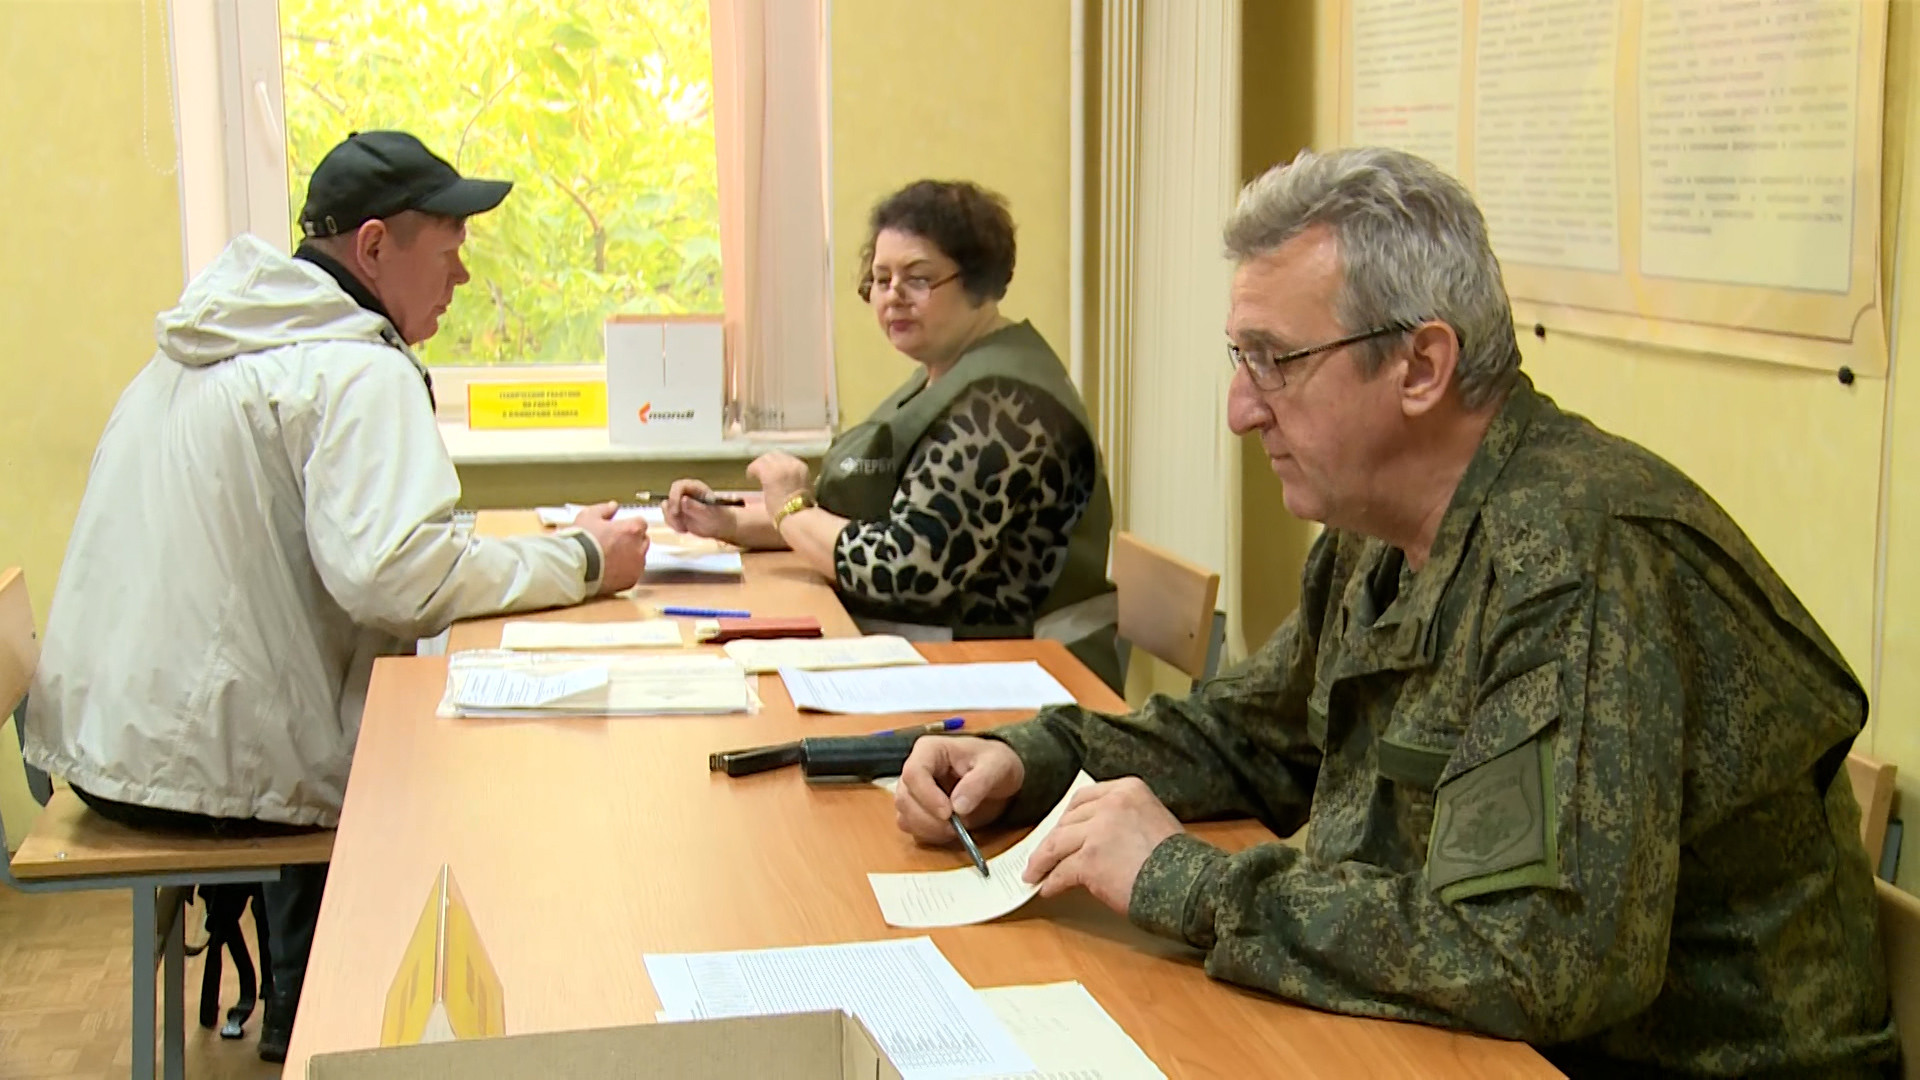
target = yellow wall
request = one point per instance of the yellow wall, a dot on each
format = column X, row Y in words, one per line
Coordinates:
column 94, row 235
column 954, row 91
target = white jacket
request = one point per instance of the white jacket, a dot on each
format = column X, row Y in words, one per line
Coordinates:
column 269, row 509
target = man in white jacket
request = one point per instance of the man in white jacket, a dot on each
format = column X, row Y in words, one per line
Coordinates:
column 270, row 508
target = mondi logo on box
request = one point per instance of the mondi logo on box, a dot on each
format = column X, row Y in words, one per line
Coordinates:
column 648, row 416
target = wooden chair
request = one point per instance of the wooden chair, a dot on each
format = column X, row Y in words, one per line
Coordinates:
column 1873, row 789
column 1900, row 942
column 70, row 849
column 1167, row 607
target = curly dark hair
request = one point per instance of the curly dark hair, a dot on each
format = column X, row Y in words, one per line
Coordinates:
column 968, row 223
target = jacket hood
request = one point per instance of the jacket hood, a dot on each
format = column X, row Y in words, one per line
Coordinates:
column 253, row 298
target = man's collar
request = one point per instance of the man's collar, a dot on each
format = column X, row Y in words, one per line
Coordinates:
column 353, row 286
column 363, row 296
column 1403, row 634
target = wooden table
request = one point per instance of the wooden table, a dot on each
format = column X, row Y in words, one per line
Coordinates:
column 583, row 844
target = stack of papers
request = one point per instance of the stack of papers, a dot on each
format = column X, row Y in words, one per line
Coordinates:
column 761, row 657
column 530, row 634
column 562, row 516
column 495, row 683
column 961, row 897
column 930, row 1023
column 928, row 688
column 925, row 1017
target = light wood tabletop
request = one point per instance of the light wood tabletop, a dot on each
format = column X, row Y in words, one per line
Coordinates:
column 581, row 845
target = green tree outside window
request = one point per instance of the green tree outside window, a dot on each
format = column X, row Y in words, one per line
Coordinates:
column 601, row 113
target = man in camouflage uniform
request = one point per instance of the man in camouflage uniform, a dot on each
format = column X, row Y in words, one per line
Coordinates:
column 1570, row 753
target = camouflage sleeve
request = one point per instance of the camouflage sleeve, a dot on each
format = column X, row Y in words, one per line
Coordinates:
column 1542, row 911
column 1236, row 746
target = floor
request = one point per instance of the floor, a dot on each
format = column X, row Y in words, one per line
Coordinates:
column 65, row 990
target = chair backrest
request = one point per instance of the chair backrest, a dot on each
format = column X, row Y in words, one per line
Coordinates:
column 1900, row 942
column 1873, row 790
column 1166, row 605
column 19, row 649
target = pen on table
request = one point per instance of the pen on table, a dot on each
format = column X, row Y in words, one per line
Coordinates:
column 757, row 759
column 979, row 863
column 705, row 613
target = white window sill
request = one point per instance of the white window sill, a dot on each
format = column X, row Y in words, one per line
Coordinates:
column 578, row 445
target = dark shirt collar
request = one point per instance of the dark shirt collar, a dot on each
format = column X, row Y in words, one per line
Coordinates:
column 361, row 295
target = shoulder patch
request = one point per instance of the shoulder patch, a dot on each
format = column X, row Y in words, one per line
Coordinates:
column 1489, row 819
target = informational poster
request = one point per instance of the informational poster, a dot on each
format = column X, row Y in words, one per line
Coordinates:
column 1696, row 174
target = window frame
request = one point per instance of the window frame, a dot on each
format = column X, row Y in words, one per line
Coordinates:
column 228, row 83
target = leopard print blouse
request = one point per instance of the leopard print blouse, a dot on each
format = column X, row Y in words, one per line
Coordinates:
column 977, row 532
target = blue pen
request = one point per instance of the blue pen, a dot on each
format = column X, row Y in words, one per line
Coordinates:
column 705, row 613
column 949, row 724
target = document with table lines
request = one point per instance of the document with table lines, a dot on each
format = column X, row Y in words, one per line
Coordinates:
column 502, row 684
column 1067, row 1034
column 1022, row 684
column 961, row 897
column 926, row 1018
column 562, row 516
column 539, row 634
column 762, row 657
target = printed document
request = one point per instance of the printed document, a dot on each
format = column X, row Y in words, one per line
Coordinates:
column 761, row 657
column 1067, row 1034
column 561, row 516
column 928, row 688
column 534, row 634
column 925, row 1017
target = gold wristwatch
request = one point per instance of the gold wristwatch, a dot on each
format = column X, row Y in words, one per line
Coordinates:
column 800, row 501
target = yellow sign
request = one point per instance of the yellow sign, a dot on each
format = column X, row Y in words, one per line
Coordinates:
column 497, row 405
column 446, row 987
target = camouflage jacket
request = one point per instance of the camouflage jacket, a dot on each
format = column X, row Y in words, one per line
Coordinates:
column 1578, row 781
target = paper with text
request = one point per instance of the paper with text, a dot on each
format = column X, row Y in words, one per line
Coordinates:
column 562, row 516
column 761, row 657
column 504, row 689
column 926, row 1018
column 1067, row 1034
column 681, row 683
column 961, row 897
column 927, row 688
column 537, row 634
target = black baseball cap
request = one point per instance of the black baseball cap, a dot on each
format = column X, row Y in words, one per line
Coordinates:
column 377, row 174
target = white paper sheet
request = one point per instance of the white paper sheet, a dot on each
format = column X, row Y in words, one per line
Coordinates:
column 533, row 634
column 561, row 516
column 1067, row 1034
column 669, row 559
column 760, row 657
column 928, row 688
column 506, row 689
column 680, row 683
column 923, row 1014
column 961, row 897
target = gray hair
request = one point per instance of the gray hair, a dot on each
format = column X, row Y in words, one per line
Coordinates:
column 1413, row 248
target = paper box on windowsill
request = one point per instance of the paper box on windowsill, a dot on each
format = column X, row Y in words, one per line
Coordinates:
column 803, row 1046
column 665, row 375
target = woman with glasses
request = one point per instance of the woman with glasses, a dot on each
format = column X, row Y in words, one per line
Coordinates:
column 972, row 503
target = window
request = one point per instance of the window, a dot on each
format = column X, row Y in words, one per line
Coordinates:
column 643, row 138
column 599, row 111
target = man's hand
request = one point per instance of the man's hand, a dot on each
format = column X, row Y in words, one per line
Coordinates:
column 1102, row 841
column 945, row 776
column 781, row 476
column 623, row 545
column 685, row 513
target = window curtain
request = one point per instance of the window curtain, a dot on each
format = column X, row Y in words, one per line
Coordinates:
column 770, row 130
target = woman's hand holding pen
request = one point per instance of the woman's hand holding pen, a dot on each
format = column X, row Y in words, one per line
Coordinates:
column 688, row 510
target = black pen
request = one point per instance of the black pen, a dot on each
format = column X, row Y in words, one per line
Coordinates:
column 710, row 500
column 978, row 862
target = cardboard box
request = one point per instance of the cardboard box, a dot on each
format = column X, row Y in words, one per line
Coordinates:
column 665, row 380
column 801, row 1046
